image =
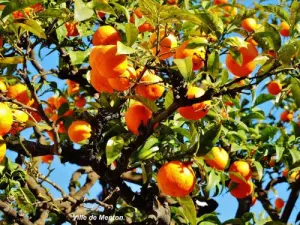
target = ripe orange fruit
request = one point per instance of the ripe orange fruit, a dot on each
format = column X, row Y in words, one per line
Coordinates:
column 71, row 29
column 217, row 158
column 197, row 55
column 286, row 116
column 172, row 2
column 197, row 110
column 272, row 53
column 272, row 161
column 242, row 168
column 100, row 13
column 79, row 131
column 150, row 87
column 2, row 149
column 6, row 119
column 20, row 15
column 241, row 190
column 37, row 7
column 2, row 87
column 122, row 83
column 285, row 172
column 274, row 87
column 20, row 116
column 253, row 200
column 100, row 83
column 295, row 176
column 104, row 60
column 136, row 115
column 279, row 203
column 249, row 53
column 35, row 114
column 284, row 29
column 73, row 87
column 106, row 35
column 165, row 44
column 230, row 11
column 219, row 2
column 47, row 158
column 60, row 101
column 80, row 101
column 143, row 27
column 252, row 41
column 249, row 24
column 19, row 93
column 176, row 179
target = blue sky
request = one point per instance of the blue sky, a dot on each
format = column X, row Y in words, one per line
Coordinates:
column 63, row 172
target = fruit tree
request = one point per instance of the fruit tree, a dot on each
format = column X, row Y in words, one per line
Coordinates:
column 149, row 112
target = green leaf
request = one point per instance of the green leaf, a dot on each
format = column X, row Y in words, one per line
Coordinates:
column 113, row 149
column 268, row 133
column 236, row 42
column 224, row 76
column 147, row 151
column 287, row 51
column 213, row 64
column 24, row 199
column 188, row 207
column 295, row 13
column 33, row 27
column 209, row 139
column 101, row 6
column 131, row 33
column 235, row 221
column 296, row 128
column 185, row 66
column 14, row 5
column 146, row 102
column 169, row 98
column 268, row 38
column 274, row 223
column 296, row 90
column 254, row 116
column 279, row 12
column 82, row 11
column 213, row 22
column 12, row 60
column 197, row 42
column 212, row 180
column 78, row 57
column 119, row 9
column 63, row 109
column 262, row 98
column 295, row 155
column 236, row 55
column 264, row 69
column 259, row 169
column 279, row 152
column 247, row 217
column 55, row 13
column 123, row 49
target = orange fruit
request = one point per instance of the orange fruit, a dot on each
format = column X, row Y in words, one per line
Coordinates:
column 71, row 29
column 136, row 115
column 150, row 87
column 274, row 87
column 197, row 110
column 106, row 35
column 217, row 158
column 241, row 190
column 47, row 158
column 176, row 179
column 279, row 203
column 20, row 116
column 166, row 44
column 143, row 27
column 230, row 11
column 2, row 149
column 294, row 176
column 2, row 7
column 272, row 161
column 196, row 54
column 100, row 83
column 242, row 168
column 122, row 83
column 284, row 29
column 249, row 24
column 253, row 200
column 60, row 101
column 219, row 2
column 172, row 2
column 19, row 93
column 252, row 41
column 285, row 172
column 104, row 60
column 2, row 87
column 100, row 13
column 37, row 7
column 79, row 101
column 73, row 87
column 79, row 131
column 286, row 116
column 35, row 114
column 6, row 119
column 61, row 127
column 248, row 53
column 20, row 15
column 272, row 53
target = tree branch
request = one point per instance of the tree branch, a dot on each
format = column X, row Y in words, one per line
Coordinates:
column 18, row 216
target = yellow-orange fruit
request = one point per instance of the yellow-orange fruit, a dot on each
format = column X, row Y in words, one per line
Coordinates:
column 35, row 114
column 122, row 83
column 294, row 176
column 19, row 93
column 47, row 158
column 80, row 101
column 242, row 168
column 100, row 83
column 143, row 27
column 79, row 131
column 286, row 116
column 285, row 172
column 104, row 60
column 6, row 119
column 230, row 11
column 217, row 158
column 3, row 87
column 71, row 29
column 197, row 110
column 274, row 87
column 136, row 115
column 248, row 53
column 279, row 203
column 253, row 200
column 172, row 2
column 219, row 2
column 241, row 190
column 176, row 179
column 249, row 24
column 106, row 35
column 284, row 29
column 20, row 116
column 197, row 53
column 60, row 101
column 2, row 149
column 73, row 87
column 150, row 87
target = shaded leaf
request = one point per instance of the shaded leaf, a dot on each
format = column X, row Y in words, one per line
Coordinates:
column 296, row 90
column 113, row 149
column 169, row 98
column 209, row 139
column 146, row 102
column 262, row 98
column 213, row 64
column 185, row 66
column 259, row 169
column 24, row 199
column 279, row 152
column 212, row 180
column 188, row 207
column 278, row 11
column 131, row 33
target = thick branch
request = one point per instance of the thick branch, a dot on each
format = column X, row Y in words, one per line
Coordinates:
column 18, row 216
